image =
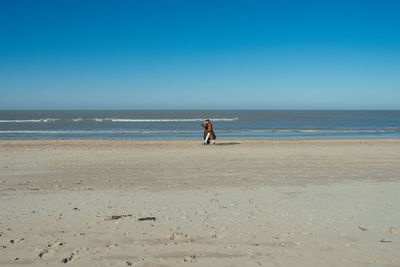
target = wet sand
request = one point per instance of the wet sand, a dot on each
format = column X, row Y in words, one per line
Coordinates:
column 240, row 202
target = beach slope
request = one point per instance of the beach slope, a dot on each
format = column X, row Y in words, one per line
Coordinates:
column 331, row 202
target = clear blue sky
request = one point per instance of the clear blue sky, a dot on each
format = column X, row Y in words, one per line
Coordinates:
column 199, row 54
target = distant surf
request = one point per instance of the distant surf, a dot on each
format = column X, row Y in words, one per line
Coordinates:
column 115, row 120
column 185, row 124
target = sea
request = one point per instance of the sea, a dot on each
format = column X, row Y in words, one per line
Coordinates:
column 186, row 124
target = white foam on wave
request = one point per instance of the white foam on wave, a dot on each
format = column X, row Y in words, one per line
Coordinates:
column 39, row 120
column 94, row 132
column 172, row 120
column 116, row 120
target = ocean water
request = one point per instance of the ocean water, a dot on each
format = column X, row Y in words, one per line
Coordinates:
column 185, row 124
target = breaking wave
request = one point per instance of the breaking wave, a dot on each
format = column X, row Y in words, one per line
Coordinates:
column 115, row 120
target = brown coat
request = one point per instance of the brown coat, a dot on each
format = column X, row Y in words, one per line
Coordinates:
column 209, row 129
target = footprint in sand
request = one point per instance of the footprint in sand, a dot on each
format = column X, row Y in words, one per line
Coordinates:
column 189, row 258
column 69, row 258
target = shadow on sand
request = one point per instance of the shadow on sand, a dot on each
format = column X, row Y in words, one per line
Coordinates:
column 227, row 144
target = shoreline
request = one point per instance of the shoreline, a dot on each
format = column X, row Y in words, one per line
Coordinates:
column 200, row 140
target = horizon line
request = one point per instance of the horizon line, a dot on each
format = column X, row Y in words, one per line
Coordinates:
column 239, row 109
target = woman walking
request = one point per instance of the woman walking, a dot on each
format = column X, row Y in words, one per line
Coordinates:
column 208, row 132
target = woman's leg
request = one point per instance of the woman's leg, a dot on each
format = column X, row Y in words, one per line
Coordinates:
column 206, row 140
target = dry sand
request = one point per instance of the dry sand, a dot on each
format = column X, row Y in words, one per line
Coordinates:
column 238, row 203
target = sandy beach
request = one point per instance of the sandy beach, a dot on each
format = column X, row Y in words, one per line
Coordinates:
column 328, row 202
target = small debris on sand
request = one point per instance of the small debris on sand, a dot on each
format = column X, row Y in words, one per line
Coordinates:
column 116, row 217
column 147, row 219
column 384, row 240
column 363, row 228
